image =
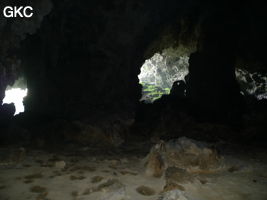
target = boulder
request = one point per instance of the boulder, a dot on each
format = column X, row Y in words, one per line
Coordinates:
column 183, row 154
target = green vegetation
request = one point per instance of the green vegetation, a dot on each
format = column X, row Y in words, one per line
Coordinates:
column 152, row 92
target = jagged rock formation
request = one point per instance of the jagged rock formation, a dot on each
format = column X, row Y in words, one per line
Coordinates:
column 184, row 155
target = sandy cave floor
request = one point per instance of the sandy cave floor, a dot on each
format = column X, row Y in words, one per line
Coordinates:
column 87, row 174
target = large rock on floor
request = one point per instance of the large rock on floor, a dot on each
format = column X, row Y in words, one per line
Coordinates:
column 182, row 153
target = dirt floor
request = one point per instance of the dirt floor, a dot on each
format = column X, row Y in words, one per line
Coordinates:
column 89, row 174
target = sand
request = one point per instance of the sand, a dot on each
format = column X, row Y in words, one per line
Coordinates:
column 88, row 175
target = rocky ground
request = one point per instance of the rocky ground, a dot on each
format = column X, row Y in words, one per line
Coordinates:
column 88, row 173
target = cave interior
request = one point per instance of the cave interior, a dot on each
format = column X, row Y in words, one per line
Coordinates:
column 131, row 99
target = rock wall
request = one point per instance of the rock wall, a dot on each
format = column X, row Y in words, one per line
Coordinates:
column 86, row 57
column 81, row 58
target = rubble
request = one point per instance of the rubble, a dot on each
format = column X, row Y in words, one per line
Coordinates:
column 182, row 153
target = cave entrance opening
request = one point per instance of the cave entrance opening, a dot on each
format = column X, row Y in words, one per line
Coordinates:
column 15, row 94
column 160, row 72
column 252, row 83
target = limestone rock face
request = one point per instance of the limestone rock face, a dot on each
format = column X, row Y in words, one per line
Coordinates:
column 109, row 133
column 182, row 153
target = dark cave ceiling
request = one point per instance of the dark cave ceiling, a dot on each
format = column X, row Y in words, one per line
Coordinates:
column 83, row 57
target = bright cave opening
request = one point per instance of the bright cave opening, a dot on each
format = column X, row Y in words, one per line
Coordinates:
column 15, row 94
column 160, row 72
column 252, row 83
column 164, row 68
